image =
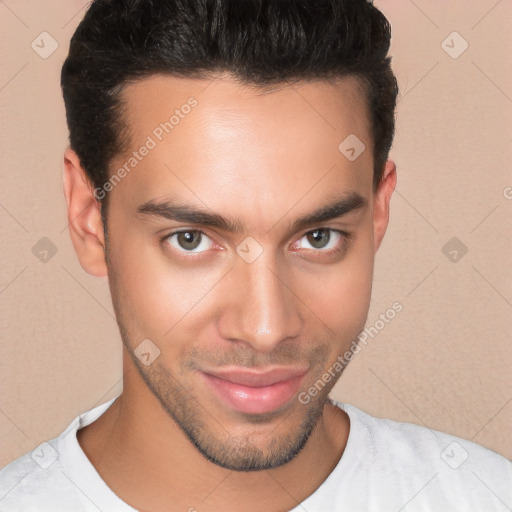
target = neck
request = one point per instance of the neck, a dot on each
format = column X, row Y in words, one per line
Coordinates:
column 147, row 460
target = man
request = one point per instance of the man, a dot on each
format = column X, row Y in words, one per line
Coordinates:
column 228, row 171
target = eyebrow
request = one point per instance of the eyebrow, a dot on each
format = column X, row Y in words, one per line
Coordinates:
column 183, row 212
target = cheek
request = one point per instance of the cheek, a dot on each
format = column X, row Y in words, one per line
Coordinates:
column 340, row 294
column 154, row 292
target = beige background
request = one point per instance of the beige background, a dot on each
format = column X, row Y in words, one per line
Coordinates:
column 445, row 361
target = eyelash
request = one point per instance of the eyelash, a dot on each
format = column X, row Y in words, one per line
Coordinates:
column 346, row 237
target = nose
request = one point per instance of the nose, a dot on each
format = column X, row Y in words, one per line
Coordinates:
column 262, row 309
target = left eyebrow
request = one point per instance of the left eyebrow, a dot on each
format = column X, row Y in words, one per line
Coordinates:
column 181, row 212
column 348, row 203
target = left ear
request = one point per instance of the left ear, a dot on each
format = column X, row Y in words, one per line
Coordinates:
column 381, row 201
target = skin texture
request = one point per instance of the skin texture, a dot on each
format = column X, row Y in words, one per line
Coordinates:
column 262, row 160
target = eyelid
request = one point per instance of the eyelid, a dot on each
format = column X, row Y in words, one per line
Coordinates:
column 316, row 228
column 345, row 238
column 164, row 239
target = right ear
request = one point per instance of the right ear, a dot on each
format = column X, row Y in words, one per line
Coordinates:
column 84, row 217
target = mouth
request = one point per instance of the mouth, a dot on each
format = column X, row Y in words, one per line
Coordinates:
column 253, row 391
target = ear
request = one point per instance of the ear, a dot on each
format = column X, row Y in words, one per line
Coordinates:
column 84, row 217
column 381, row 201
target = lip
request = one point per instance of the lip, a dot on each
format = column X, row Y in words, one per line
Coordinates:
column 254, row 391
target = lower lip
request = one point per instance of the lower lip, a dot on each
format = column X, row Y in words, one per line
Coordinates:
column 252, row 400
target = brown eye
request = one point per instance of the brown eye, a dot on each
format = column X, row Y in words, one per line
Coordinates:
column 319, row 238
column 322, row 239
column 190, row 240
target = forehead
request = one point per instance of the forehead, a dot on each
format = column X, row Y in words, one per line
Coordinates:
column 217, row 137
column 338, row 104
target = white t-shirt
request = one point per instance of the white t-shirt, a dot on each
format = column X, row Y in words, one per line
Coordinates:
column 386, row 466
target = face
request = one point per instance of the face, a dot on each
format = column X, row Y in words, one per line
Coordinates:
column 241, row 242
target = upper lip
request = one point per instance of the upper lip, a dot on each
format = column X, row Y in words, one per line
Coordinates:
column 256, row 377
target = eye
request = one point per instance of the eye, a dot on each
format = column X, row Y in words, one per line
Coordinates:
column 323, row 240
column 189, row 240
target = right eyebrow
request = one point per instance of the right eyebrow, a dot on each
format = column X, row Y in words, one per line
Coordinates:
column 189, row 213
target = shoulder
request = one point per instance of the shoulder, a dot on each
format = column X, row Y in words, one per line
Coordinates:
column 34, row 479
column 46, row 477
column 448, row 469
column 405, row 443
